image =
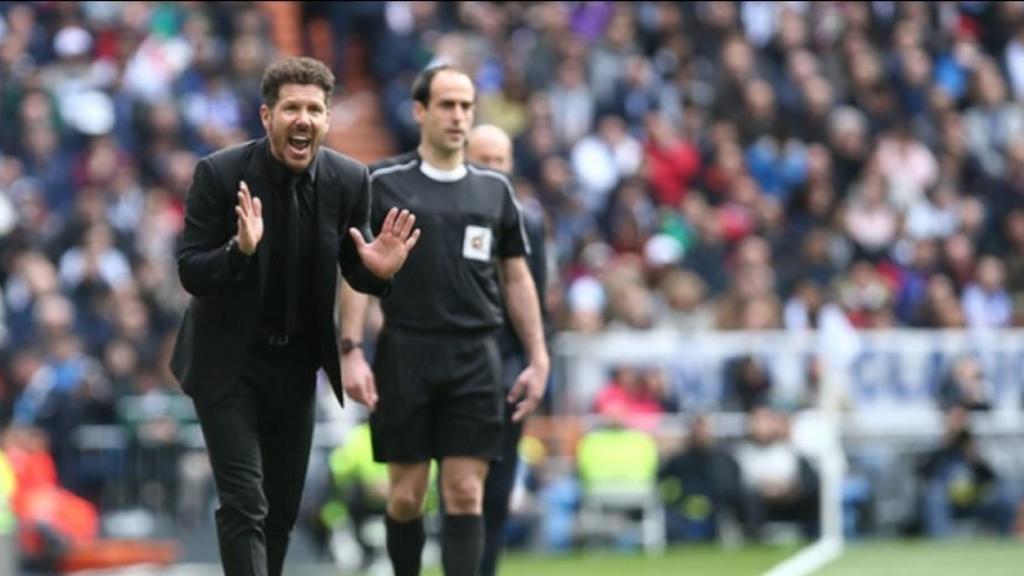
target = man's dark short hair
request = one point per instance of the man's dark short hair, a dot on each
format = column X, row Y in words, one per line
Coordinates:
column 421, row 86
column 299, row 70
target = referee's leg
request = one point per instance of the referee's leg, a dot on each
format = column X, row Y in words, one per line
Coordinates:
column 404, row 520
column 462, row 486
column 469, row 428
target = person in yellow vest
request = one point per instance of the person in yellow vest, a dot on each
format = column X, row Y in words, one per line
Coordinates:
column 361, row 488
column 7, row 521
column 618, row 469
column 617, row 457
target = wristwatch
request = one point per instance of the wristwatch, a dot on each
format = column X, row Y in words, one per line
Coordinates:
column 348, row 345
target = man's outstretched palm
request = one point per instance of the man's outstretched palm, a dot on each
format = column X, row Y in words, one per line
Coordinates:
column 388, row 251
column 250, row 219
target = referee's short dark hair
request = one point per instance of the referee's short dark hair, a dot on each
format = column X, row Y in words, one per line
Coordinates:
column 421, row 86
column 299, row 70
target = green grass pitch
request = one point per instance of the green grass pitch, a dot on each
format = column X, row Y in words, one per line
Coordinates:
column 888, row 558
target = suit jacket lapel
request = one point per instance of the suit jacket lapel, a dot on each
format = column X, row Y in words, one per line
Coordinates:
column 258, row 177
column 327, row 211
column 326, row 198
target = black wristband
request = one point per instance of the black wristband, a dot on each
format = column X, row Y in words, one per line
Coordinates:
column 233, row 248
column 236, row 258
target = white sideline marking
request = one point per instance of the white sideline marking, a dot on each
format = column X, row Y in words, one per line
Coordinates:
column 808, row 560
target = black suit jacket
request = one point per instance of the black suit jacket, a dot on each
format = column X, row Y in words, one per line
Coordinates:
column 222, row 316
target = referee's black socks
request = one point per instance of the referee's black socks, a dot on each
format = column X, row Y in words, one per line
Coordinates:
column 405, row 545
column 462, row 544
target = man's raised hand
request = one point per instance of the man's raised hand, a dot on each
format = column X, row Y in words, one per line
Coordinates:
column 250, row 219
column 388, row 251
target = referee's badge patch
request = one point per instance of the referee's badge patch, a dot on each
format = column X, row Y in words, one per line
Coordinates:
column 476, row 244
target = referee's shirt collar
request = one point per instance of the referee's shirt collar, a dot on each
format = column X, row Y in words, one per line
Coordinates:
column 281, row 174
column 438, row 175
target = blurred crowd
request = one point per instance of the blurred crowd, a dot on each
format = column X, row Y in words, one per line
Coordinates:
column 744, row 165
column 701, row 165
column 106, row 108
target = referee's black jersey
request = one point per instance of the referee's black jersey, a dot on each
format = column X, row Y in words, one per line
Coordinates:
column 469, row 218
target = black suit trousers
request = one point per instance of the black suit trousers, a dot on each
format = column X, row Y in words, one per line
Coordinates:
column 501, row 476
column 258, row 438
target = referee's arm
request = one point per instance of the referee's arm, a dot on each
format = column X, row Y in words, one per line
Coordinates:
column 524, row 311
column 356, row 374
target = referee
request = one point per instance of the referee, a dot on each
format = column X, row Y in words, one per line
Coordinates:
column 435, row 390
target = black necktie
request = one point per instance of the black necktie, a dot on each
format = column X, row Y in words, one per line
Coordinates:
column 291, row 281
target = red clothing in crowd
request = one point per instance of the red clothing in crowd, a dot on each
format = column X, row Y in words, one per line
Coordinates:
column 670, row 169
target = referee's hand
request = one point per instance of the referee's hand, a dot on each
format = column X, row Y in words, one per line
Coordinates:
column 357, row 379
column 528, row 391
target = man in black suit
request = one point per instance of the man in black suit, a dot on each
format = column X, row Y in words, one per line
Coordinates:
column 265, row 233
column 490, row 146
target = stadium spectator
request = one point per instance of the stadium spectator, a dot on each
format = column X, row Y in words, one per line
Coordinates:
column 700, row 486
column 958, row 482
column 747, row 384
column 965, row 385
column 913, row 282
column 602, row 159
column 992, row 122
column 871, row 221
column 359, row 490
column 1013, row 259
column 986, row 302
column 778, row 482
column 615, row 458
column 571, row 96
column 8, row 485
column 635, row 397
column 684, row 302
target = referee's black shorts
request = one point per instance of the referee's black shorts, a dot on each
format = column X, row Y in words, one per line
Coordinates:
column 438, row 396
